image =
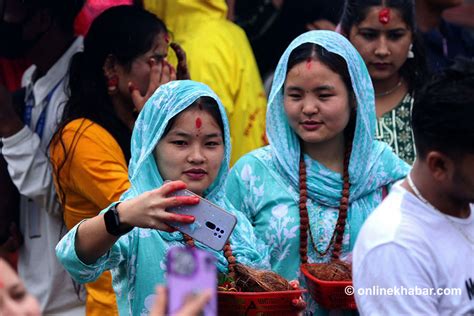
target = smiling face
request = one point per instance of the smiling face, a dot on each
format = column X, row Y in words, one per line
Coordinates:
column 316, row 102
column 14, row 298
column 383, row 40
column 192, row 150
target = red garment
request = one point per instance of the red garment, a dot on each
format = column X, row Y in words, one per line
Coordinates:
column 91, row 9
column 11, row 71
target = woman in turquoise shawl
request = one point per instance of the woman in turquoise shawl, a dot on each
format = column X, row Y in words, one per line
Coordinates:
column 265, row 184
column 136, row 259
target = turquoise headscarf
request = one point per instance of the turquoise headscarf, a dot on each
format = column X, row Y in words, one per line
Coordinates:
column 372, row 164
column 137, row 259
column 170, row 99
column 167, row 102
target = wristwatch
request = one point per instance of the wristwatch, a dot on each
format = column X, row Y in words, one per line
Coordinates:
column 112, row 222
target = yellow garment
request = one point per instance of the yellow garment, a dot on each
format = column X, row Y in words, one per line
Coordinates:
column 94, row 175
column 220, row 55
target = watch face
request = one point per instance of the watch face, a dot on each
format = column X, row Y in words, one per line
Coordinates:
column 112, row 222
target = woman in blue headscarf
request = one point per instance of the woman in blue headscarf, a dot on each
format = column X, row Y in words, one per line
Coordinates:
column 309, row 192
column 182, row 133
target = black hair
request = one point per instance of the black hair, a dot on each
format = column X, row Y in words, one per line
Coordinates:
column 313, row 51
column 443, row 111
column 414, row 71
column 125, row 32
column 334, row 62
column 64, row 12
column 206, row 104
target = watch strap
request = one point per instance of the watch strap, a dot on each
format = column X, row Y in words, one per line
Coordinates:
column 112, row 222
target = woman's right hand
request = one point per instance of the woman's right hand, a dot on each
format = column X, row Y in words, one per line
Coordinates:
column 148, row 210
column 161, row 72
column 193, row 306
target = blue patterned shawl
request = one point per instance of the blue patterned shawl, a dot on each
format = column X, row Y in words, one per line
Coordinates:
column 372, row 164
column 168, row 101
column 137, row 259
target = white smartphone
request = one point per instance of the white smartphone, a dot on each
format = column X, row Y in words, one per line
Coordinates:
column 212, row 226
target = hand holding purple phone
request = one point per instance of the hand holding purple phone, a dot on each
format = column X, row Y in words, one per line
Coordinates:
column 192, row 307
column 190, row 272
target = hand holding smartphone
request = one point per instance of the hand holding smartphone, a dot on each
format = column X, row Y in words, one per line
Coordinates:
column 212, row 226
column 189, row 272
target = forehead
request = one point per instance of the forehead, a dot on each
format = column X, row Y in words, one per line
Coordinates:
column 187, row 120
column 372, row 19
column 160, row 45
column 8, row 277
column 311, row 72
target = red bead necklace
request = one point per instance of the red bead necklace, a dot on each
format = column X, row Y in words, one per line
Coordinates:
column 338, row 233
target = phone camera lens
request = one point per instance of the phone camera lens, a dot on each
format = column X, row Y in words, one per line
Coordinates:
column 211, row 225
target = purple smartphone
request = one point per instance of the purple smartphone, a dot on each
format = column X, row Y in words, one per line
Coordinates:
column 212, row 225
column 190, row 271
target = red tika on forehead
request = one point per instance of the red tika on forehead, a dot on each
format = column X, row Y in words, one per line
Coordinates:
column 384, row 16
column 198, row 122
column 309, row 63
column 167, row 38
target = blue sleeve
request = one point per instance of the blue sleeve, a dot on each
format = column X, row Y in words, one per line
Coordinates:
column 246, row 247
column 84, row 273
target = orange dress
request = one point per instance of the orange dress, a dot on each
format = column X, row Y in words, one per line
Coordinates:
column 94, row 175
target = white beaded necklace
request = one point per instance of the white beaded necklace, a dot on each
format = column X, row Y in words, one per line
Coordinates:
column 422, row 199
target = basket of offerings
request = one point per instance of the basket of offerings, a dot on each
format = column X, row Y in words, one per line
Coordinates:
column 247, row 291
column 256, row 292
column 327, row 283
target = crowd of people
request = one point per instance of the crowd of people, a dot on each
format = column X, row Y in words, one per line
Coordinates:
column 360, row 150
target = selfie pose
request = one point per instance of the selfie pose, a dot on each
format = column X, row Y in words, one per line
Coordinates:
column 308, row 192
column 91, row 148
column 182, row 134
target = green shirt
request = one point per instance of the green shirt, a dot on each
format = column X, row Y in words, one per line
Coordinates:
column 394, row 128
